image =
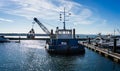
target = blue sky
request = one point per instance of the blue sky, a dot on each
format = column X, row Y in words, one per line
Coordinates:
column 87, row 16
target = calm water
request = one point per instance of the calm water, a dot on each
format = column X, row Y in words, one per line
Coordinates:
column 30, row 55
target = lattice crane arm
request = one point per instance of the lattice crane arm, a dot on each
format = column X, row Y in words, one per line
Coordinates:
column 42, row 26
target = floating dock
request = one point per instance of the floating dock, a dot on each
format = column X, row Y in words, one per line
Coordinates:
column 105, row 52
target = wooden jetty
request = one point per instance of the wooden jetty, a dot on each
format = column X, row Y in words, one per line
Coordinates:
column 105, row 52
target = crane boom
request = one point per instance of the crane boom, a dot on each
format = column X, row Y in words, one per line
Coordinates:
column 42, row 26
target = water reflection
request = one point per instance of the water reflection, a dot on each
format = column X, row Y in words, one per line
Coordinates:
column 65, row 63
column 31, row 56
column 33, row 44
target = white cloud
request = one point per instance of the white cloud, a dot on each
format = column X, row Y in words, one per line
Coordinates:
column 84, row 17
column 6, row 20
column 49, row 10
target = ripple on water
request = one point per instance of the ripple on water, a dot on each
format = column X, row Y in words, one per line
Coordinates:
column 30, row 55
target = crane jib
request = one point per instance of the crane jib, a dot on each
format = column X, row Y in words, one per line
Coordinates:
column 42, row 26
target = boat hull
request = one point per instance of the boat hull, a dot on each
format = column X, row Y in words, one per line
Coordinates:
column 65, row 49
column 3, row 39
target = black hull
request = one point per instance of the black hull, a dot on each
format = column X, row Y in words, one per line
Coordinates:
column 68, row 51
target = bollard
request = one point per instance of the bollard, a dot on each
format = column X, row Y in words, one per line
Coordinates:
column 115, row 43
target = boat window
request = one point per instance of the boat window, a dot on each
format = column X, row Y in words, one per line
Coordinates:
column 64, row 32
column 64, row 43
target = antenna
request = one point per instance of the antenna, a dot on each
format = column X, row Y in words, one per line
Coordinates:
column 64, row 17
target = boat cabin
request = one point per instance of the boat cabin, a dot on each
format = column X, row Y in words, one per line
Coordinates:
column 64, row 33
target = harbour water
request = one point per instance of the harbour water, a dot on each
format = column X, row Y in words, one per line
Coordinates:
column 30, row 55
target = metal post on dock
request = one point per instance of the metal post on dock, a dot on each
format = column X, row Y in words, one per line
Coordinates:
column 115, row 43
column 89, row 42
column 108, row 49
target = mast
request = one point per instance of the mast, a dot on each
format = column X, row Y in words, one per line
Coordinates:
column 64, row 17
